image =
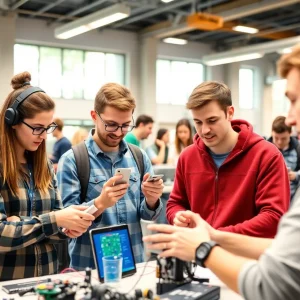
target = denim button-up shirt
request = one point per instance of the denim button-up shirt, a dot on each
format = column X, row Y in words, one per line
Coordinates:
column 128, row 210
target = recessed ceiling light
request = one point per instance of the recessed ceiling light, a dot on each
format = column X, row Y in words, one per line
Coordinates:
column 285, row 51
column 228, row 60
column 166, row 1
column 245, row 29
column 175, row 41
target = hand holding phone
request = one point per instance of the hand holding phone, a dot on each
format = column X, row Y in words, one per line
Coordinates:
column 153, row 178
column 91, row 209
column 125, row 172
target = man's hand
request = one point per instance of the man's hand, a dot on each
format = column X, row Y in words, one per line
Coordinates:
column 292, row 175
column 111, row 193
column 178, row 241
column 13, row 219
column 71, row 233
column 181, row 220
column 152, row 190
column 74, row 217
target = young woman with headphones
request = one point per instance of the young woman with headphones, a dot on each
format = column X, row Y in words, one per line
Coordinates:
column 31, row 214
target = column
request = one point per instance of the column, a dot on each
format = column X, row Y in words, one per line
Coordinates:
column 7, row 41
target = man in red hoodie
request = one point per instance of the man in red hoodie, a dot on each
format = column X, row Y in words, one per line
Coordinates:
column 232, row 177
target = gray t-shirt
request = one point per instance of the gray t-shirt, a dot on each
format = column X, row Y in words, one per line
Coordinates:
column 276, row 275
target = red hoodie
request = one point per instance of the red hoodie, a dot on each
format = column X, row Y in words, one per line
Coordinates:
column 248, row 193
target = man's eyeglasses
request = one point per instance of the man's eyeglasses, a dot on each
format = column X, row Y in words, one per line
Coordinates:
column 40, row 130
column 115, row 127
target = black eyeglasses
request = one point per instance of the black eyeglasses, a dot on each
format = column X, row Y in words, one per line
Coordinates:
column 40, row 130
column 115, row 127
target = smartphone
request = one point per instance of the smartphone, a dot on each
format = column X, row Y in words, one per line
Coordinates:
column 153, row 178
column 126, row 175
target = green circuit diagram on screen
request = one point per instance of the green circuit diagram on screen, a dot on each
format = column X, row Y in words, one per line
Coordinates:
column 111, row 245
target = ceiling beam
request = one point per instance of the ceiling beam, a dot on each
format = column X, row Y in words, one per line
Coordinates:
column 228, row 15
column 47, row 7
column 276, row 33
column 82, row 9
column 47, row 15
column 255, row 8
column 163, row 29
column 160, row 9
column 18, row 4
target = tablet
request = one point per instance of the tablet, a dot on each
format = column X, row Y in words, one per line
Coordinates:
column 113, row 240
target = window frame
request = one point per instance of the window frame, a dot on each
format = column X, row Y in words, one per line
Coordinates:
column 184, row 60
column 84, row 51
column 253, row 69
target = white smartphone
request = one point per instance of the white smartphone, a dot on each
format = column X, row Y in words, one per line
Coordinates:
column 126, row 175
column 91, row 209
column 153, row 178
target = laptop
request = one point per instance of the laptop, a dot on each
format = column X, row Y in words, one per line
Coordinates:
column 110, row 241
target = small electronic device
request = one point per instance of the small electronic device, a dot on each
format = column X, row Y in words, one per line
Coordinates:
column 152, row 178
column 22, row 286
column 91, row 209
column 111, row 241
column 126, row 175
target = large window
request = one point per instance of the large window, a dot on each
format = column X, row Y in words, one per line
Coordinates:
column 69, row 73
column 246, row 88
column 280, row 104
column 175, row 80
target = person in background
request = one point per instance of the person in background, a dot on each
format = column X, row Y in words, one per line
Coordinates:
column 290, row 149
column 79, row 136
column 31, row 214
column 124, row 203
column 61, row 145
column 143, row 128
column 183, row 138
column 159, row 151
column 231, row 176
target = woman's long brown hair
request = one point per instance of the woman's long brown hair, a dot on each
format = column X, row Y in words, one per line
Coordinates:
column 11, row 167
column 178, row 144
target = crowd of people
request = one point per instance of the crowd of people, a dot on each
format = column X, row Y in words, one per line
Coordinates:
column 229, row 209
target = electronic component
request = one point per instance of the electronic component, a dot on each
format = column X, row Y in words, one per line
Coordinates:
column 175, row 281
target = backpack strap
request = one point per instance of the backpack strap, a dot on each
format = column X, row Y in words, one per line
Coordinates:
column 138, row 157
column 83, row 167
column 298, row 157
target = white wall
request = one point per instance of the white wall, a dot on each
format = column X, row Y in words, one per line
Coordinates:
column 7, row 33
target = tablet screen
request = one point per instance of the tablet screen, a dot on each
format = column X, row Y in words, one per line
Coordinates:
column 114, row 240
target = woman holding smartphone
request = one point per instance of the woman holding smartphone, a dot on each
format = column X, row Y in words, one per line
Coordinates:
column 31, row 214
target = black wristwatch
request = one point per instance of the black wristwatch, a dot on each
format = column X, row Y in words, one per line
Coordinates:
column 203, row 251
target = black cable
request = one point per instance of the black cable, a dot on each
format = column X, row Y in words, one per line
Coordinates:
column 191, row 275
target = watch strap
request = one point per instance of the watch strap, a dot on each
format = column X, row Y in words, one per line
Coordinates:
column 209, row 245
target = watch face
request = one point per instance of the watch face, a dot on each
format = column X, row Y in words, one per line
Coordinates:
column 202, row 252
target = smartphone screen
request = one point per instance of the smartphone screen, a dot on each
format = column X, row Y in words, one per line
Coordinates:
column 152, row 178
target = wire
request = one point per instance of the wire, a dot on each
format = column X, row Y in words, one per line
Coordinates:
column 68, row 270
column 140, row 277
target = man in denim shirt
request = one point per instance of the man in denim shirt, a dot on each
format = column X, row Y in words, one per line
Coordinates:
column 116, row 204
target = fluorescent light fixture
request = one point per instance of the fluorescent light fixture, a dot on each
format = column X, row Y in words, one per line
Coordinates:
column 175, row 41
column 245, row 29
column 97, row 19
column 285, row 50
column 249, row 52
column 228, row 60
column 166, row 1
